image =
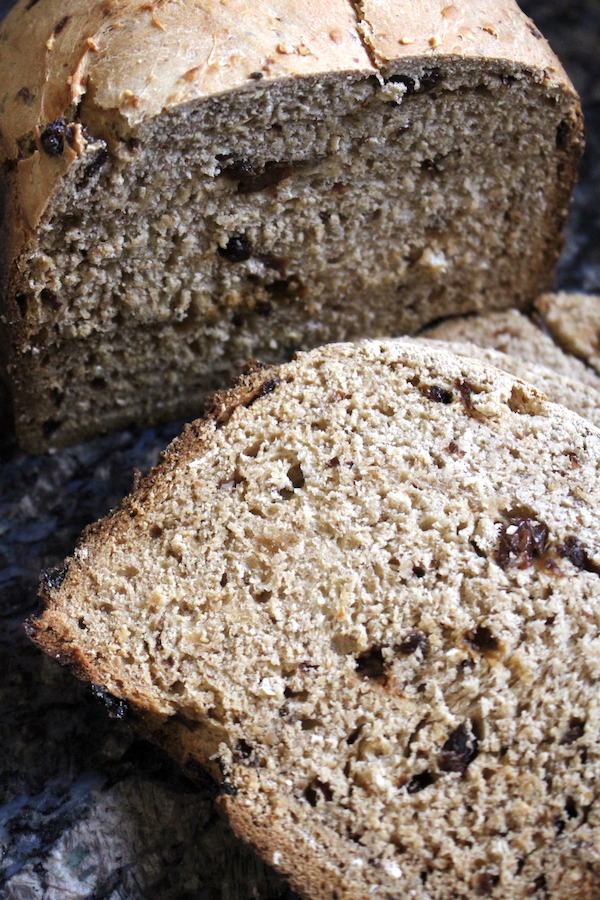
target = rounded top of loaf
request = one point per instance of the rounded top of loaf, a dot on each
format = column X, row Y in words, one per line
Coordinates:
column 124, row 62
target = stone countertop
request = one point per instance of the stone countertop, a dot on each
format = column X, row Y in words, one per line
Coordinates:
column 87, row 809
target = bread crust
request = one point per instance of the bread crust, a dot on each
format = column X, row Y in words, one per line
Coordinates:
column 281, row 828
column 79, row 91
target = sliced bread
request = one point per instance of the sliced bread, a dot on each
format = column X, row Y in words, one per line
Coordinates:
column 573, row 320
column 518, row 336
column 581, row 398
column 364, row 593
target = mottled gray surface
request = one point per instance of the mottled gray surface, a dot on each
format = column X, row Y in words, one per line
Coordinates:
column 87, row 810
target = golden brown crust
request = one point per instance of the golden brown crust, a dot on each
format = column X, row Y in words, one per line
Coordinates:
column 79, row 62
column 79, row 93
column 79, row 65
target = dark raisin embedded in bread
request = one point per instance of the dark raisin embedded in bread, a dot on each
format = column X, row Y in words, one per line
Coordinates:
column 386, row 654
column 193, row 185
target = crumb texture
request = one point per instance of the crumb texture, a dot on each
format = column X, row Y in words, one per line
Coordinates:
column 365, row 593
column 573, row 320
column 154, row 243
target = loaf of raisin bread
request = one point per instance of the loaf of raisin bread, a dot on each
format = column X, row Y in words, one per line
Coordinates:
column 364, row 593
column 188, row 184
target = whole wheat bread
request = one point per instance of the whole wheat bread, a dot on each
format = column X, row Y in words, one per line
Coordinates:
column 528, row 341
column 581, row 398
column 573, row 320
column 190, row 184
column 364, row 593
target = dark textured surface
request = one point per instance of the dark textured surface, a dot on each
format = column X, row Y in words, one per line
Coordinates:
column 87, row 810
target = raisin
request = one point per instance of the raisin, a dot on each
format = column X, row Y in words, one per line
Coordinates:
column 413, row 642
column 238, row 249
column 438, row 394
column 95, row 164
column 264, row 308
column 61, row 25
column 53, row 137
column 419, row 782
column 459, row 751
column 285, row 287
column 371, row 664
column 522, row 540
column 267, row 387
column 430, row 80
column 228, row 789
column 483, row 639
column 466, row 389
column 575, row 552
column 256, row 75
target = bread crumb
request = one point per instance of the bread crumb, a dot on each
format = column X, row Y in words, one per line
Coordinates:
column 156, row 22
column 450, row 12
column 392, row 869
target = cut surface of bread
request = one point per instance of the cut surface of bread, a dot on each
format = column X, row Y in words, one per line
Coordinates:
column 581, row 398
column 364, row 594
column 515, row 334
column 191, row 186
column 574, row 322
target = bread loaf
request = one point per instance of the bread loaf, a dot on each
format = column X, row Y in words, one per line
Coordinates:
column 364, row 593
column 187, row 184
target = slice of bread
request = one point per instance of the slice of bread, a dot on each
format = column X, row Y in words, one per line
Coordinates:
column 515, row 334
column 364, row 593
column 581, row 398
column 574, row 322
column 187, row 186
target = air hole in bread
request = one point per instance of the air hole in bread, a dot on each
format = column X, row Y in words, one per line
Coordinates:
column 309, row 724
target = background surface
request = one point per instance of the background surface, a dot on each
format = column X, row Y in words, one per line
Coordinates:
column 87, row 810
